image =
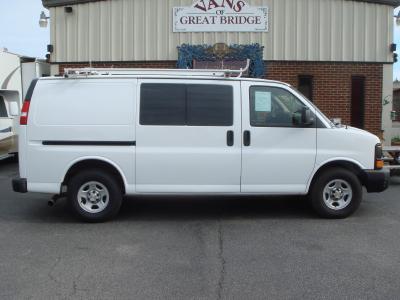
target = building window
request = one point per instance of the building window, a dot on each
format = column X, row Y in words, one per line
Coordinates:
column 3, row 109
column 306, row 86
column 186, row 105
column 396, row 104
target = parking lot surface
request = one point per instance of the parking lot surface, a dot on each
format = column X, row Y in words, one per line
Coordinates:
column 198, row 248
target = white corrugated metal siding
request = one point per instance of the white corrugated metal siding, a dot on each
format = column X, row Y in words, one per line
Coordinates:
column 307, row 30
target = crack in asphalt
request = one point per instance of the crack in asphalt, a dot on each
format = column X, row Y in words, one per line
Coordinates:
column 222, row 261
column 52, row 278
column 75, row 282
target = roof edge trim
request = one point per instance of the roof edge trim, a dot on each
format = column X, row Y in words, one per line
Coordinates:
column 53, row 3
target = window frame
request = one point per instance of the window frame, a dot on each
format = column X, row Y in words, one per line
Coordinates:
column 186, row 86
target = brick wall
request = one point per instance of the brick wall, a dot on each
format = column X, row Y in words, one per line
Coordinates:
column 331, row 84
column 332, row 87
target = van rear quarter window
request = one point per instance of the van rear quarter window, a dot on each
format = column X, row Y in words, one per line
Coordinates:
column 186, row 104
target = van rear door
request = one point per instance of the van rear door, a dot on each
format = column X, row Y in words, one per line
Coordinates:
column 188, row 136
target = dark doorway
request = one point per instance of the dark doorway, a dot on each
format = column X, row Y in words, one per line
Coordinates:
column 357, row 101
column 306, row 86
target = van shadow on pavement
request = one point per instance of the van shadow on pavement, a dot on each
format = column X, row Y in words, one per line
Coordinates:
column 213, row 207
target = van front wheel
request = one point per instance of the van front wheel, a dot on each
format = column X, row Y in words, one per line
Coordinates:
column 94, row 196
column 336, row 193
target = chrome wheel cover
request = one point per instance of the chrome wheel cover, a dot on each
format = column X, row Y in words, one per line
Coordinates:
column 93, row 197
column 337, row 194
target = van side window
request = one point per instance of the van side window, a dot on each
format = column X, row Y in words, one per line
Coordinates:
column 3, row 109
column 186, row 105
column 210, row 105
column 163, row 104
column 273, row 107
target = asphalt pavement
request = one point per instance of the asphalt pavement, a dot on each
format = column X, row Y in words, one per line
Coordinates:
column 198, row 248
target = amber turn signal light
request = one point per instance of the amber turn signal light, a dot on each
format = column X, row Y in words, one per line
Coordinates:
column 378, row 157
column 379, row 164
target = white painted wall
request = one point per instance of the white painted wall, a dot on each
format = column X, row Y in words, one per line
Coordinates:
column 140, row 30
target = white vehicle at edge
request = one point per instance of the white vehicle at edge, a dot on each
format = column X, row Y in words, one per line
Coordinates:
column 99, row 135
column 16, row 74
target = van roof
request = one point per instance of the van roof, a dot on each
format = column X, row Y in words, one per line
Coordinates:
column 168, row 77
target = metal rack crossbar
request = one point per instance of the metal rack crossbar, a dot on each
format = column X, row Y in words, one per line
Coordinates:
column 86, row 72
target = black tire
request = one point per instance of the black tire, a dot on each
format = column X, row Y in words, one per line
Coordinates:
column 317, row 193
column 105, row 179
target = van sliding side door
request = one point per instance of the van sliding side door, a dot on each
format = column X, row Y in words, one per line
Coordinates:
column 188, row 136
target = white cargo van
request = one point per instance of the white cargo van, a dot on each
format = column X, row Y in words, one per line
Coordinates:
column 97, row 135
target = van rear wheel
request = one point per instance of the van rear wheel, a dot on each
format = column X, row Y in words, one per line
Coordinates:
column 336, row 193
column 94, row 195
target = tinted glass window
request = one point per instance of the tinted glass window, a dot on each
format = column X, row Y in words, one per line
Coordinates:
column 3, row 109
column 210, row 105
column 396, row 104
column 163, row 104
column 191, row 105
column 273, row 107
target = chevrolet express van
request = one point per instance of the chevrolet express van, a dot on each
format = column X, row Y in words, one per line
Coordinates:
column 97, row 135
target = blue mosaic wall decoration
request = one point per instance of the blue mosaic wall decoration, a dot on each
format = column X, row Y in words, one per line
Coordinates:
column 188, row 53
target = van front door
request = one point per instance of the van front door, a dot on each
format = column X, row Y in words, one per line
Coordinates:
column 279, row 151
column 188, row 136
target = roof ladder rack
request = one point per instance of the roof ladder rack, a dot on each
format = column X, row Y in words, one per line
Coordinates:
column 87, row 72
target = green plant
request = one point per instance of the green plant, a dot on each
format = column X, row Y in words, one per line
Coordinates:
column 396, row 139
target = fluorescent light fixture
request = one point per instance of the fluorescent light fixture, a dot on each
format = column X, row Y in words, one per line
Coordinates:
column 397, row 18
column 43, row 21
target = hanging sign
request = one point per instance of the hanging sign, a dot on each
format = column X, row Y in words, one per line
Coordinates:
column 220, row 16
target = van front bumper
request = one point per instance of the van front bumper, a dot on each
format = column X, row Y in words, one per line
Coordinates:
column 376, row 181
column 20, row 185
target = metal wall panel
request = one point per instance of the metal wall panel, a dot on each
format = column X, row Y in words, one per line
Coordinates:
column 140, row 30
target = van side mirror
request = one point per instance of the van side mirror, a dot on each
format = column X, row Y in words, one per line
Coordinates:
column 14, row 109
column 303, row 117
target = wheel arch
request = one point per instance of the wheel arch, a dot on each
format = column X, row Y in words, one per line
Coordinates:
column 347, row 164
column 95, row 163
